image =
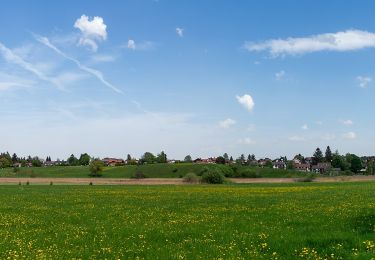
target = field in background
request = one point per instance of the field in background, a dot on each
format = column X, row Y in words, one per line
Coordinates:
column 151, row 171
column 278, row 221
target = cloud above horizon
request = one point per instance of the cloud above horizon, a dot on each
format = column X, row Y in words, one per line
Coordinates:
column 180, row 31
column 96, row 73
column 350, row 135
column 91, row 31
column 246, row 101
column 364, row 81
column 348, row 40
column 227, row 123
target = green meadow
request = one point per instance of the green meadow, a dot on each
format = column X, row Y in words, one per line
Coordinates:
column 150, row 171
column 269, row 221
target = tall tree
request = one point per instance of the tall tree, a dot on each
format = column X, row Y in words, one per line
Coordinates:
column 328, row 154
column 84, row 159
column 188, row 159
column 148, row 158
column 226, row 157
column 15, row 158
column 128, row 158
column 72, row 160
column 161, row 157
column 318, row 156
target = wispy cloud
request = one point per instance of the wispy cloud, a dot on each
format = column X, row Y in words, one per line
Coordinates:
column 142, row 46
column 328, row 137
column 180, row 31
column 11, row 57
column 348, row 40
column 94, row 72
column 350, row 135
column 246, row 140
column 92, row 31
column 246, row 101
column 227, row 123
column 280, row 75
column 347, row 122
column 296, row 138
column 305, row 127
column 364, row 81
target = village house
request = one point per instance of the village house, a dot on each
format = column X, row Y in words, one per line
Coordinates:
column 302, row 167
column 113, row 161
column 279, row 165
column 321, row 168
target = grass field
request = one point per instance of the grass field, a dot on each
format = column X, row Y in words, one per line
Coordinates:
column 307, row 220
column 151, row 171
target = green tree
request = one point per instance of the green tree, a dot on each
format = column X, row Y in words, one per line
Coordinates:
column 290, row 165
column 36, row 162
column 96, row 168
column 220, row 160
column 84, row 159
column 128, row 158
column 72, row 160
column 268, row 164
column 328, row 154
column 355, row 162
column 4, row 162
column 148, row 158
column 371, row 167
column 318, row 156
column 15, row 158
column 188, row 159
column 226, row 156
column 161, row 157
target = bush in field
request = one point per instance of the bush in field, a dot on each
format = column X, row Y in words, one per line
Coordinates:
column 96, row 168
column 226, row 170
column 249, row 173
column 138, row 175
column 213, row 176
column 191, row 178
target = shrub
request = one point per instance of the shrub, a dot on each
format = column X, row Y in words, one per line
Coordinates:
column 308, row 178
column 213, row 176
column 27, row 183
column 191, row 178
column 175, row 170
column 96, row 167
column 249, row 173
column 138, row 175
column 226, row 170
column 204, row 170
column 51, row 183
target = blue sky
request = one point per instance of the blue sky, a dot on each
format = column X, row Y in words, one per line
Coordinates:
column 188, row 77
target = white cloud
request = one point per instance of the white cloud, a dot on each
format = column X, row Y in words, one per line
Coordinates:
column 131, row 44
column 348, row 40
column 96, row 73
column 328, row 137
column 349, row 135
column 319, row 122
column 143, row 46
column 227, row 123
column 280, row 75
column 180, row 31
column 92, row 31
column 11, row 57
column 296, row 138
column 246, row 101
column 347, row 122
column 363, row 81
column 304, row 127
column 246, row 140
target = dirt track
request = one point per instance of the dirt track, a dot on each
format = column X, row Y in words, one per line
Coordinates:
column 170, row 181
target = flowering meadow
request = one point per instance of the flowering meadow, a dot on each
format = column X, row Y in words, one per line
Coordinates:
column 258, row 221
